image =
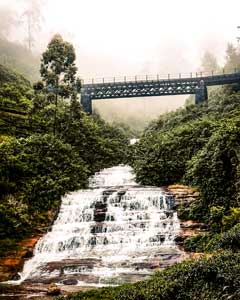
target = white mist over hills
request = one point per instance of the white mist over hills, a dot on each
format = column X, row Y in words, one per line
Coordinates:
column 116, row 38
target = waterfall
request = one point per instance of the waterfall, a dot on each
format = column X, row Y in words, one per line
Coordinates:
column 114, row 232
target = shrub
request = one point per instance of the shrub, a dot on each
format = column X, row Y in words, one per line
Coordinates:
column 161, row 157
column 215, row 168
column 40, row 168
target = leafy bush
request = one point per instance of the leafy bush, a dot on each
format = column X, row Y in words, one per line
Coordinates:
column 228, row 221
column 14, row 218
column 215, row 168
column 15, row 102
column 210, row 242
column 40, row 169
column 215, row 218
column 161, row 157
column 202, row 242
column 230, row 240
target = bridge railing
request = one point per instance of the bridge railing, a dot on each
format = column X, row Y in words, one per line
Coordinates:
column 158, row 77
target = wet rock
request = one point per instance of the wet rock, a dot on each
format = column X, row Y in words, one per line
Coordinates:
column 154, row 266
column 12, row 264
column 98, row 228
column 53, row 290
column 70, row 281
column 193, row 225
column 179, row 240
column 182, row 194
column 16, row 277
column 100, row 210
column 29, row 253
column 72, row 264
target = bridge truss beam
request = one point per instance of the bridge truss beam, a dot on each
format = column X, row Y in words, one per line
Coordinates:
column 179, row 86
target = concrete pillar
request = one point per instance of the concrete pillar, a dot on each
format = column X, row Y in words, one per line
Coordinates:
column 86, row 102
column 201, row 93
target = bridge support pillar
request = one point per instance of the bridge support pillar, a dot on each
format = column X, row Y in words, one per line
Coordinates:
column 86, row 102
column 201, row 93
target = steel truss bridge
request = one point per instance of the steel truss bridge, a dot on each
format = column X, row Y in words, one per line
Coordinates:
column 139, row 86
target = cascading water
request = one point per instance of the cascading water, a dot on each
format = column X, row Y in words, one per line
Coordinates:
column 114, row 232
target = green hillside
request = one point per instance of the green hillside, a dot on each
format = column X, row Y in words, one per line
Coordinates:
column 15, row 102
column 18, row 58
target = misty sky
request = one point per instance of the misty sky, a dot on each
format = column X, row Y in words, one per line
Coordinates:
column 116, row 37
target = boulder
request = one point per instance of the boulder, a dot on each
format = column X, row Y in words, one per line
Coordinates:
column 53, row 290
column 70, row 281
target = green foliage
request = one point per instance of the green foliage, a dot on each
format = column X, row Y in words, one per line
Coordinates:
column 196, row 243
column 14, row 217
column 16, row 57
column 15, row 102
column 41, row 168
column 126, row 129
column 230, row 239
column 99, row 144
column 212, row 242
column 215, row 278
column 228, row 221
column 34, row 173
column 193, row 211
column 215, row 218
column 7, row 246
column 215, row 167
column 58, row 68
column 7, row 75
column 161, row 157
column 58, row 72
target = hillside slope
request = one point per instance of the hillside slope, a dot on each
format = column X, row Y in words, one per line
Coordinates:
column 15, row 101
column 19, row 59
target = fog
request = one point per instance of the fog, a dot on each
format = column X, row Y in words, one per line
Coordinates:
column 127, row 37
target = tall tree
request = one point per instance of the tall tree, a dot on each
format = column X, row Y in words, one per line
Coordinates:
column 209, row 62
column 8, row 21
column 58, row 70
column 33, row 19
column 232, row 57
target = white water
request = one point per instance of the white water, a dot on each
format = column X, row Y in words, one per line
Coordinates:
column 137, row 232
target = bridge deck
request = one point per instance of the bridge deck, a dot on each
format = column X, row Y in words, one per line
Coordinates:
column 157, row 77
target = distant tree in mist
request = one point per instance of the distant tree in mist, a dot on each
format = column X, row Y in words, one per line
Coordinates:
column 232, row 57
column 208, row 65
column 209, row 62
column 8, row 20
column 33, row 19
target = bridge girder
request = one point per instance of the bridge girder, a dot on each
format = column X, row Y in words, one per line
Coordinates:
column 141, row 90
column 179, row 86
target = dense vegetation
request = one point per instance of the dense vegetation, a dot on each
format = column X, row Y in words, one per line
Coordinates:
column 48, row 145
column 15, row 101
